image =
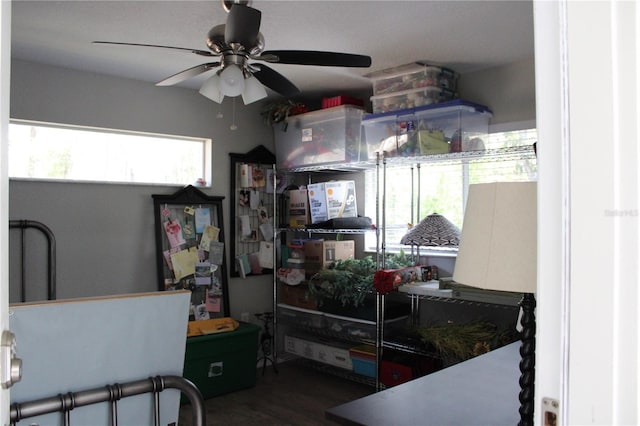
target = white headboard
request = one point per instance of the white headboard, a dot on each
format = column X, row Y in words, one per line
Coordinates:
column 78, row 344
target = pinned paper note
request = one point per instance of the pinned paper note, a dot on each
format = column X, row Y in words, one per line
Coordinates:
column 210, row 234
column 245, row 226
column 188, row 228
column 266, row 229
column 245, row 176
column 203, row 218
column 213, row 303
column 254, row 199
column 167, row 256
column 201, row 312
column 184, row 262
column 257, row 176
column 263, row 215
column 265, row 255
column 216, row 253
column 203, row 273
column 242, row 264
column 174, row 233
column 269, row 174
column 254, row 263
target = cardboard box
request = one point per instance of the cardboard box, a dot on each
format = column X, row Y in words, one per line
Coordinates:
column 320, row 254
column 298, row 208
column 327, row 352
column 334, row 199
column 341, row 199
column 297, row 295
column 317, row 202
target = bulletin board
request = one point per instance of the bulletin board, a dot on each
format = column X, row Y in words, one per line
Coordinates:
column 191, row 249
column 253, row 188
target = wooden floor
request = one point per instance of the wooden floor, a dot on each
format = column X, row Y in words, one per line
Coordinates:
column 297, row 395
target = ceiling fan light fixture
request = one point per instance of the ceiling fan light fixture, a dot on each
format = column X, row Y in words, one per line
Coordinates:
column 228, row 4
column 239, row 41
column 231, row 81
column 211, row 89
column 253, row 90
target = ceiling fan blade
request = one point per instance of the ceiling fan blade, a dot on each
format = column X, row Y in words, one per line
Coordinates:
column 275, row 81
column 243, row 25
column 312, row 57
column 196, row 51
column 188, row 73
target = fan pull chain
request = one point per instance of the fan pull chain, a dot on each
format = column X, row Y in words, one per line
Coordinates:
column 233, row 116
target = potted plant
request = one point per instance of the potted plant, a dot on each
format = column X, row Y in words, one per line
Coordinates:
column 346, row 286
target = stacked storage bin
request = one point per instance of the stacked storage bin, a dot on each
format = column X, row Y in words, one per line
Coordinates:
column 412, row 85
column 452, row 126
column 326, row 136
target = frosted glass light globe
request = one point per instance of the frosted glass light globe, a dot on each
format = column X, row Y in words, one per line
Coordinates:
column 232, row 81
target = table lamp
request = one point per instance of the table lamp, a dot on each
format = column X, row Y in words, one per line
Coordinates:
column 497, row 251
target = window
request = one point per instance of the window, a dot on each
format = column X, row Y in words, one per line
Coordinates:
column 441, row 187
column 58, row 152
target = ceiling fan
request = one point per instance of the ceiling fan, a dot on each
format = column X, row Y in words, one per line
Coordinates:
column 237, row 44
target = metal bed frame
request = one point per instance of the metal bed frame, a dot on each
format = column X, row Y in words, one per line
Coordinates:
column 65, row 403
column 112, row 393
column 51, row 257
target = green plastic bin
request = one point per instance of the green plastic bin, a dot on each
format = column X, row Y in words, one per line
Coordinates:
column 224, row 362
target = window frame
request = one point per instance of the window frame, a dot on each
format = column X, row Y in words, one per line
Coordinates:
column 370, row 243
column 205, row 166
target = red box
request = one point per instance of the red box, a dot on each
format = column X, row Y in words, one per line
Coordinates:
column 341, row 100
column 392, row 373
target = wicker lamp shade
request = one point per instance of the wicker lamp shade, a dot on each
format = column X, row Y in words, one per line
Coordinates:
column 434, row 230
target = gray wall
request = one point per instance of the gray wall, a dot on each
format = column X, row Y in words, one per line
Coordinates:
column 105, row 232
column 509, row 91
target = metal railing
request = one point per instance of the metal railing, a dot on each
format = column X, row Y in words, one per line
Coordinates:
column 64, row 403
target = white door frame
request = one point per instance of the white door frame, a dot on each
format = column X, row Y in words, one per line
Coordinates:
column 587, row 113
column 587, row 312
column 5, row 68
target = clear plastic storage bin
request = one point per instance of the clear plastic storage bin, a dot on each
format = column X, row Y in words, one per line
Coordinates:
column 410, row 98
column 435, row 129
column 320, row 137
column 412, row 76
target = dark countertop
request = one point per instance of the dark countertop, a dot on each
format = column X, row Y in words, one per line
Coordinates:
column 480, row 391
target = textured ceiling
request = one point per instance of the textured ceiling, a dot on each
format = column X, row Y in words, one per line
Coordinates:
column 464, row 35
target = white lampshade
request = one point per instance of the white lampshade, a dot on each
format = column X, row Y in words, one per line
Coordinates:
column 211, row 89
column 498, row 243
column 253, row 90
column 231, row 81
